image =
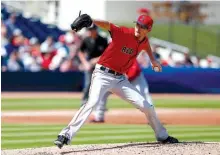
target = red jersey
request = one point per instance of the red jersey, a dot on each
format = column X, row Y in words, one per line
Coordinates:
column 123, row 50
column 133, row 71
column 47, row 59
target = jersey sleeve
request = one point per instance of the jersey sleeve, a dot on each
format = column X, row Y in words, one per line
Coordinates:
column 116, row 31
column 133, row 71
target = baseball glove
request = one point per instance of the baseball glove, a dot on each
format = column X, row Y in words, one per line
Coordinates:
column 80, row 22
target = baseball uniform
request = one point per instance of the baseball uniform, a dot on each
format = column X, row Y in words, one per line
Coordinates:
column 108, row 75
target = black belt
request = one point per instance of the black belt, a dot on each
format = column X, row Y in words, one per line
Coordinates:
column 110, row 71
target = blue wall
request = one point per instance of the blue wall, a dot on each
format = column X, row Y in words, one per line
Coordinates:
column 184, row 80
column 171, row 80
column 42, row 81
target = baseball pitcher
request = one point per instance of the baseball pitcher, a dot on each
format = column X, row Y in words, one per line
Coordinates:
column 109, row 72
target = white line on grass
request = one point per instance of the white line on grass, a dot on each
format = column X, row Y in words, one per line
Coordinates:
column 60, row 127
column 99, row 128
column 97, row 132
column 81, row 132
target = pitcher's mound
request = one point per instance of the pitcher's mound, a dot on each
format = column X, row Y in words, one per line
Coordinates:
column 192, row 148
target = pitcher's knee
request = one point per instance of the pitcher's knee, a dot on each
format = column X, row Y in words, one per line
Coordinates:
column 91, row 103
column 144, row 106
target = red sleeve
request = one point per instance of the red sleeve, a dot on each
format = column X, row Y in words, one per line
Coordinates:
column 114, row 30
column 117, row 31
column 133, row 71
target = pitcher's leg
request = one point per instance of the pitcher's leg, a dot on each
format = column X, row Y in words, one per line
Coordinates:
column 142, row 86
column 99, row 110
column 97, row 90
column 159, row 129
column 87, row 79
column 77, row 121
column 128, row 92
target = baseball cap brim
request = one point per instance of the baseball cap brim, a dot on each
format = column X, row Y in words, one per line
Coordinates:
column 142, row 25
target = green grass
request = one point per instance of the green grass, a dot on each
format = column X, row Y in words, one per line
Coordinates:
column 53, row 104
column 182, row 35
column 26, row 136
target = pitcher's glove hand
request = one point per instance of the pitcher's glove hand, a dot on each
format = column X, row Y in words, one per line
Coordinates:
column 80, row 22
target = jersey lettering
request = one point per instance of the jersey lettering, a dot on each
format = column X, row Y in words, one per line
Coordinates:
column 127, row 50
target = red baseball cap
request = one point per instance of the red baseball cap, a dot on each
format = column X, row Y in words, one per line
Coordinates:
column 145, row 21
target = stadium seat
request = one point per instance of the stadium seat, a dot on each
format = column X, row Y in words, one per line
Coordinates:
column 33, row 27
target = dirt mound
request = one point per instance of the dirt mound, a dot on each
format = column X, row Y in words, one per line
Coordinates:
column 192, row 148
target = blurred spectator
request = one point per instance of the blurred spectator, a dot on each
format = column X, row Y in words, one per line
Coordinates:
column 168, row 62
column 4, row 42
column 35, row 47
column 73, row 42
column 46, row 59
column 212, row 64
column 15, row 42
column 4, row 39
column 33, row 64
column 195, row 61
column 14, row 64
column 48, row 45
column 30, row 55
column 48, row 51
column 188, row 61
column 61, row 55
column 35, row 53
column 67, row 47
column 22, row 46
column 3, row 60
column 155, row 53
column 203, row 63
column 10, row 24
column 74, row 47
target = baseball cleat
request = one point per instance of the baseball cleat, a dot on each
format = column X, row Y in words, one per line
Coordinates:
column 61, row 140
column 95, row 121
column 170, row 140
